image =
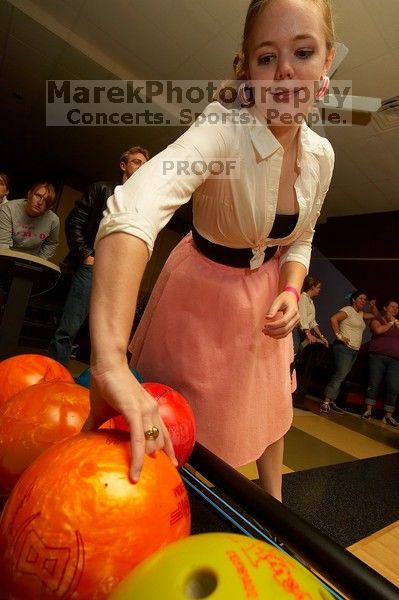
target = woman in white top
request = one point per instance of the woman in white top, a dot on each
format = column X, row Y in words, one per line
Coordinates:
column 217, row 325
column 348, row 325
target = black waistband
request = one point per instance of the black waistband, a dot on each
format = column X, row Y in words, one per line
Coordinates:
column 232, row 257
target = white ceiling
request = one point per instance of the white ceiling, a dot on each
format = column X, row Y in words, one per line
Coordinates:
column 185, row 39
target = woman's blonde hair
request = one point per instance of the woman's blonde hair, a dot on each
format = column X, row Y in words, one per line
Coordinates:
column 240, row 63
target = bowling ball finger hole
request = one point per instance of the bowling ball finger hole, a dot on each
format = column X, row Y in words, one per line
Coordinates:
column 200, row 584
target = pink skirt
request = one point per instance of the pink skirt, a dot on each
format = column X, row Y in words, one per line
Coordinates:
column 201, row 333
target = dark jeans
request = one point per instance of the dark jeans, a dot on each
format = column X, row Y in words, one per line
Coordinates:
column 380, row 365
column 3, row 296
column 296, row 338
column 76, row 309
column 344, row 359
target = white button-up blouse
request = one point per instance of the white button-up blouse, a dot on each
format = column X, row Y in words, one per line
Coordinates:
column 236, row 211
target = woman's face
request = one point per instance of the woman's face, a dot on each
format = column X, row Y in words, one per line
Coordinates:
column 287, row 58
column 36, row 202
column 392, row 309
column 360, row 302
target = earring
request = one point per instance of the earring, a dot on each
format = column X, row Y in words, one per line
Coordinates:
column 244, row 94
column 323, row 87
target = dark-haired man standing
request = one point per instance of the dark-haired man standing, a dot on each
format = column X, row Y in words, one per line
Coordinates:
column 81, row 228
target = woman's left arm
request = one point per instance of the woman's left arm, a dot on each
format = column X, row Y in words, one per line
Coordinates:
column 368, row 316
column 283, row 314
column 295, row 261
column 374, row 312
column 300, row 249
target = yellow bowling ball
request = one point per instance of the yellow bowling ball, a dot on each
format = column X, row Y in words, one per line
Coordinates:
column 220, row 566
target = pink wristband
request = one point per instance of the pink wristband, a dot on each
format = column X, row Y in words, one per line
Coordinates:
column 289, row 288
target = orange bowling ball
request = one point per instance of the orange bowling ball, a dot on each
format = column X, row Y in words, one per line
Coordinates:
column 23, row 370
column 75, row 525
column 33, row 420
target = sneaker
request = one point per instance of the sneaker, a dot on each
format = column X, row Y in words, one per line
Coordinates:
column 74, row 351
column 366, row 415
column 336, row 408
column 390, row 421
column 325, row 407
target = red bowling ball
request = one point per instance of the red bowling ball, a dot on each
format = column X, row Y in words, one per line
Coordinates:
column 24, row 370
column 177, row 416
column 33, row 420
column 75, row 525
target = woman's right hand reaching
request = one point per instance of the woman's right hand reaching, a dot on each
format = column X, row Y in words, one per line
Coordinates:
column 114, row 390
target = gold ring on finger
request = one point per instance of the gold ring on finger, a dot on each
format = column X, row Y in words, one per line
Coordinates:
column 152, row 433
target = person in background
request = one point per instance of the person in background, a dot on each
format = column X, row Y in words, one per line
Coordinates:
column 218, row 324
column 384, row 361
column 29, row 225
column 348, row 325
column 4, row 188
column 81, row 228
column 308, row 329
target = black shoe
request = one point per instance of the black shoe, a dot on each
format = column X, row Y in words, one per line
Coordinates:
column 366, row 415
column 336, row 408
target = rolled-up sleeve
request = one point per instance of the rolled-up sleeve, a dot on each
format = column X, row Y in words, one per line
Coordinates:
column 148, row 199
column 307, row 314
column 303, row 313
column 300, row 251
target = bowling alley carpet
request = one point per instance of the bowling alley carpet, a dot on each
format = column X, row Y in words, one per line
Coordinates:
column 341, row 473
column 337, row 499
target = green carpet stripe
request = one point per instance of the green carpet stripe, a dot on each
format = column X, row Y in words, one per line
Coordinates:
column 389, row 437
column 303, row 451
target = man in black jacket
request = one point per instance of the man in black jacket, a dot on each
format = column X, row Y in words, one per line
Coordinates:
column 81, row 228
